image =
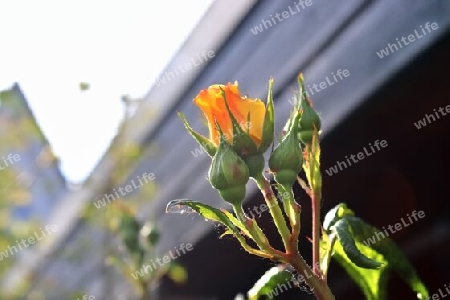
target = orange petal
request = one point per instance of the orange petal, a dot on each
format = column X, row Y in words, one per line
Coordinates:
column 212, row 104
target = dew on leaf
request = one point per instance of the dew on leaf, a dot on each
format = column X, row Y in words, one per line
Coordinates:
column 177, row 207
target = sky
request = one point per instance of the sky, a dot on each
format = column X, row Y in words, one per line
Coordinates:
column 118, row 47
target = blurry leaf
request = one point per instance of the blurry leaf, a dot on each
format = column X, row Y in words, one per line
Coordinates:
column 177, row 273
column 129, row 232
column 20, row 197
column 150, row 234
column 269, row 281
column 84, row 86
column 125, row 269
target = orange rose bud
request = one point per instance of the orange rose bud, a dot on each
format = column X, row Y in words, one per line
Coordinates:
column 249, row 113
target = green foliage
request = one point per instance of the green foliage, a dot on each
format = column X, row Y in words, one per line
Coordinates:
column 355, row 251
column 17, row 131
column 397, row 261
column 346, row 239
column 372, row 282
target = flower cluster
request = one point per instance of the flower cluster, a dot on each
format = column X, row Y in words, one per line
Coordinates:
column 241, row 129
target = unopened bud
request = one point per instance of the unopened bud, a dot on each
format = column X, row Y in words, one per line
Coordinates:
column 286, row 160
column 309, row 119
column 255, row 164
column 228, row 173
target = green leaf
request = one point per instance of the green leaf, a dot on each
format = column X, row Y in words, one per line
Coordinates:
column 367, row 235
column 355, row 236
column 214, row 214
column 345, row 237
column 208, row 212
column 265, row 286
column 209, row 146
column 372, row 282
column 335, row 214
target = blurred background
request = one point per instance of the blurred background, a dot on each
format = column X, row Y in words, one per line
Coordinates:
column 88, row 102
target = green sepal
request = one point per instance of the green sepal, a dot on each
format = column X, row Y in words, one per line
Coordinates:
column 312, row 166
column 292, row 115
column 204, row 142
column 243, row 144
column 268, row 131
column 302, row 90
